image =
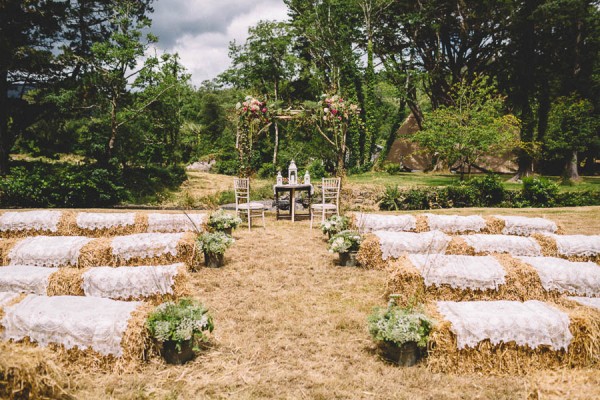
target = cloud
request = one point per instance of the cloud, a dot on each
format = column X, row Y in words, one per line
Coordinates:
column 200, row 30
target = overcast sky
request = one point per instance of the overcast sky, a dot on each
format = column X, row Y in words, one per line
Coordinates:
column 200, row 30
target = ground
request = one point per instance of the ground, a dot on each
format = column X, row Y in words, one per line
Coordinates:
column 289, row 323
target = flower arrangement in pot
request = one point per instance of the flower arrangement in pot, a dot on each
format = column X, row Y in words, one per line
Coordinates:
column 179, row 328
column 334, row 224
column 401, row 333
column 222, row 221
column 346, row 243
column 214, row 245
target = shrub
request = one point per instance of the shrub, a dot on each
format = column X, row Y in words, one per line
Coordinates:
column 392, row 169
column 266, row 171
column 221, row 220
column 316, row 169
column 215, row 242
column 416, row 199
column 400, row 325
column 390, row 200
column 334, row 224
column 180, row 322
column 540, row 192
column 462, row 194
column 490, row 188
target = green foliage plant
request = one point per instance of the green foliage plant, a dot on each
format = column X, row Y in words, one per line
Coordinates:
column 390, row 200
column 345, row 242
column 334, row 224
column 399, row 325
column 540, row 192
column 490, row 188
column 221, row 220
column 215, row 242
column 186, row 320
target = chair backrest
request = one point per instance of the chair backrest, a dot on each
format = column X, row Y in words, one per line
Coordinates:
column 331, row 190
column 241, row 186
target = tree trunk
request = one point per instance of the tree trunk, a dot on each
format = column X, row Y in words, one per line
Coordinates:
column 571, row 172
column 113, row 129
column 5, row 139
column 276, row 146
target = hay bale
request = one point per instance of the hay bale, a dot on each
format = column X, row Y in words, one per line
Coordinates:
column 109, row 224
column 25, row 279
column 8, row 301
column 48, row 251
column 6, row 246
column 522, row 281
column 66, row 282
column 95, row 253
column 369, row 255
column 453, row 224
column 177, row 222
column 31, row 373
column 406, row 283
column 367, row 223
column 459, row 246
column 18, row 224
column 515, row 245
column 422, row 223
column 547, row 243
column 512, row 359
column 576, row 247
column 526, row 226
column 66, row 225
column 493, row 225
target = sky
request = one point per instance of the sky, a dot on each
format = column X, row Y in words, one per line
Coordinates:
column 200, row 30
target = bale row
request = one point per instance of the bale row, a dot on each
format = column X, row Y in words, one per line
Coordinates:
column 570, row 247
column 54, row 328
column 510, row 358
column 132, row 250
column 521, row 282
column 18, row 224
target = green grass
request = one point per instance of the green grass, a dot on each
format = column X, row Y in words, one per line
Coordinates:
column 413, row 179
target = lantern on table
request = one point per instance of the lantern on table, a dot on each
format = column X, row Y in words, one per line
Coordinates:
column 279, row 178
column 292, row 173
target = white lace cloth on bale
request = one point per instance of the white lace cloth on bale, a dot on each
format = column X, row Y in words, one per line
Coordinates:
column 126, row 282
column 85, row 322
column 145, row 245
column 25, row 279
column 40, row 220
column 394, row 244
column 593, row 302
column 581, row 278
column 532, row 323
column 514, row 245
column 175, row 222
column 48, row 251
column 576, row 245
column 7, row 297
column 93, row 221
column 381, row 222
column 455, row 223
column 525, row 226
column 462, row 272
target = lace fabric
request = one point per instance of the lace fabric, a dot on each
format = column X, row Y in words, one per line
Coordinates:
column 130, row 282
column 48, row 251
column 25, row 279
column 581, row 278
column 381, row 222
column 525, row 226
column 460, row 272
column 7, row 297
column 455, row 223
column 593, row 302
column 576, row 245
column 93, row 221
column 85, row 322
column 532, row 323
column 514, row 245
column 394, row 244
column 39, row 220
column 145, row 245
column 158, row 222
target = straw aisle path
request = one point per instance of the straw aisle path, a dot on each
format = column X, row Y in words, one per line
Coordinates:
column 289, row 323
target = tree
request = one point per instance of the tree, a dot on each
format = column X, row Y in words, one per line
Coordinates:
column 28, row 31
column 572, row 129
column 472, row 126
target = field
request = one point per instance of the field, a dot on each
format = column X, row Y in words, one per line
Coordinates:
column 291, row 324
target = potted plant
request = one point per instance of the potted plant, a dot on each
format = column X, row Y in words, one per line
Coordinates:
column 179, row 328
column 214, row 244
column 346, row 243
column 334, row 224
column 221, row 221
column 401, row 333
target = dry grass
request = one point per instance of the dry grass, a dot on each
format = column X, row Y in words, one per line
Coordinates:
column 291, row 324
column 66, row 282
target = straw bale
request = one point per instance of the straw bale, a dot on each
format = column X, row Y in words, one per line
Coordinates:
column 509, row 358
column 522, row 283
column 5, row 246
column 458, row 246
column 369, row 255
column 30, row 373
column 67, row 225
column 96, row 253
column 31, row 231
column 422, row 224
column 66, row 282
column 140, row 226
column 493, row 225
column 14, row 301
column 548, row 245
